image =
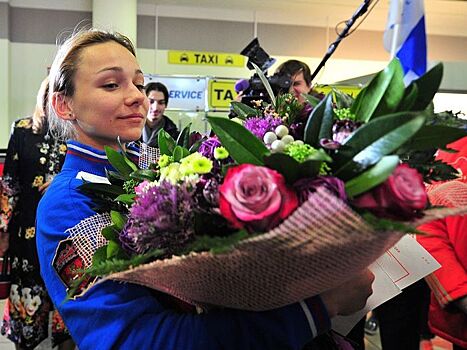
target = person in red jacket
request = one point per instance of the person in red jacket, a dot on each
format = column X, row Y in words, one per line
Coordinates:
column 447, row 242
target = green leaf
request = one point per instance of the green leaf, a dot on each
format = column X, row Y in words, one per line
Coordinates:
column 113, row 249
column 393, row 95
column 315, row 125
column 122, row 148
column 312, row 100
column 108, row 266
column 101, row 266
column 409, row 99
column 130, row 163
column 184, row 137
column 325, row 131
column 372, row 177
column 266, row 84
column 242, row 145
column 117, row 219
column 372, row 141
column 433, row 136
column 114, row 177
column 127, row 198
column 118, row 162
column 217, row 244
column 144, row 174
column 104, row 189
column 166, row 142
column 244, row 111
column 110, row 233
column 428, row 85
column 342, row 99
column 292, row 170
column 100, row 255
column 370, row 97
column 320, row 154
column 310, row 168
column 285, row 165
column 180, row 153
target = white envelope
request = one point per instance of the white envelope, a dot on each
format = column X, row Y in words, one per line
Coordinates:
column 405, row 263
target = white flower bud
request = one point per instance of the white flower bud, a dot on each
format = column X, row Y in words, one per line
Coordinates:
column 298, row 142
column 277, row 146
column 281, row 131
column 269, row 137
column 287, row 139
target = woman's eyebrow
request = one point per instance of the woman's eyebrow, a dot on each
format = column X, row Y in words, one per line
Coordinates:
column 119, row 69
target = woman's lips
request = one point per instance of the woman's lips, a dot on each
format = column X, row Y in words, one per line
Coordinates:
column 137, row 116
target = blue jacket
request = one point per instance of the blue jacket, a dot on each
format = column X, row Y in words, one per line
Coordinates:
column 114, row 315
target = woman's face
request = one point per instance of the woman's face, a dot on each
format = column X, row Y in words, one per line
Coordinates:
column 109, row 100
column 157, row 105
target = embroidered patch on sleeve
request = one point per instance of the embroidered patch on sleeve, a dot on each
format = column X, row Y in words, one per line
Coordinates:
column 69, row 267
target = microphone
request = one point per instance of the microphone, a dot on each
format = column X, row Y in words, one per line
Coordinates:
column 241, row 85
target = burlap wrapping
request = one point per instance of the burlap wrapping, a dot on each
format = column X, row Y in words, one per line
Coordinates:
column 321, row 245
column 451, row 194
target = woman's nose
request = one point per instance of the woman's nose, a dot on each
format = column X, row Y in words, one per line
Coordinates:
column 135, row 96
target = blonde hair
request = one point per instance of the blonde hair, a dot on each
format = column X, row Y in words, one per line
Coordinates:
column 64, row 67
column 40, row 111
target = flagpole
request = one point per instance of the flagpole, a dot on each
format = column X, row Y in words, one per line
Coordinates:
column 397, row 24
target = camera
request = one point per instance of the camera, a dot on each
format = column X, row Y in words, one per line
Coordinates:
column 254, row 89
column 257, row 91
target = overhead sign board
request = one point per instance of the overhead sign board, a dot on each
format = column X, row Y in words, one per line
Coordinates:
column 206, row 58
column 221, row 93
column 185, row 93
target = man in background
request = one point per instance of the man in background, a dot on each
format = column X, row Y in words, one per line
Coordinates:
column 158, row 96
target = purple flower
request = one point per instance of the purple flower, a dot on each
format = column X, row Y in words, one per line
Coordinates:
column 297, row 130
column 194, row 137
column 261, row 125
column 307, row 185
column 207, row 194
column 329, row 144
column 207, row 147
column 211, row 192
column 343, row 129
column 297, row 127
column 162, row 217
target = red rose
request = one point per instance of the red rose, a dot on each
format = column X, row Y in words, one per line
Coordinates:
column 401, row 196
column 255, row 197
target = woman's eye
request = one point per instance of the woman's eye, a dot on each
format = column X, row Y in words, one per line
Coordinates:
column 140, row 87
column 110, row 86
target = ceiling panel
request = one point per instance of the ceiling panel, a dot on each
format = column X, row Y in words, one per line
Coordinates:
column 443, row 17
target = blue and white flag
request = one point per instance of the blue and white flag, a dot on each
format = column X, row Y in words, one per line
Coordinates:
column 405, row 34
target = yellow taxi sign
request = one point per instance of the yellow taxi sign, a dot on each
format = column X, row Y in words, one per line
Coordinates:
column 206, row 58
column 221, row 93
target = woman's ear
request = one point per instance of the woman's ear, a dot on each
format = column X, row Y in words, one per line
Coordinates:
column 62, row 106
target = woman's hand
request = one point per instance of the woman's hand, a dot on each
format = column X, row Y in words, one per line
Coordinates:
column 42, row 188
column 350, row 296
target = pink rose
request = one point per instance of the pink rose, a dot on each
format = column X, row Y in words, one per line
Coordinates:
column 255, row 197
column 401, row 196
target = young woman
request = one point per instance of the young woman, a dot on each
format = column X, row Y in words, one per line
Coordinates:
column 96, row 93
column 33, row 159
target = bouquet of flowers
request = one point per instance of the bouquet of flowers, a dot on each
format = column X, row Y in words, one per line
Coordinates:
column 275, row 206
